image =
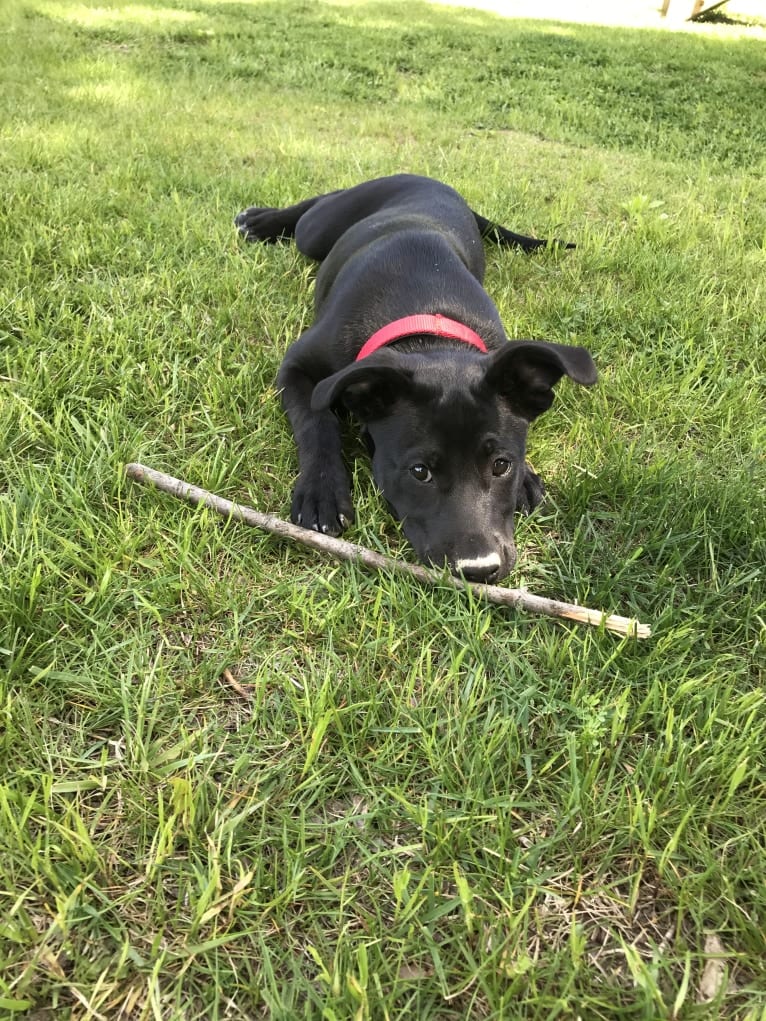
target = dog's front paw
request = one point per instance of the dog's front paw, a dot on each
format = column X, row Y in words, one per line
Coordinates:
column 261, row 223
column 531, row 492
column 322, row 501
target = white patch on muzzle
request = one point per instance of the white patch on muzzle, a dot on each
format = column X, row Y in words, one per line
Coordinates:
column 491, row 560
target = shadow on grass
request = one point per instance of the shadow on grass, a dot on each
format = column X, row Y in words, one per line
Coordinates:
column 687, row 96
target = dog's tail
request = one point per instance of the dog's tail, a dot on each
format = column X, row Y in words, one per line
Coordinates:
column 502, row 236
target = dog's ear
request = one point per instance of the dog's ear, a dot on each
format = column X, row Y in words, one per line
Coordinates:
column 525, row 372
column 367, row 388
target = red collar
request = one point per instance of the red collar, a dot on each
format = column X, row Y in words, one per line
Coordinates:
column 437, row 326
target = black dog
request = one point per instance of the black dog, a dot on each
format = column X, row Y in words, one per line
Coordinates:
column 408, row 340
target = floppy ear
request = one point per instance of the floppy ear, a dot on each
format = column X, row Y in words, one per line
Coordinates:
column 366, row 388
column 525, row 372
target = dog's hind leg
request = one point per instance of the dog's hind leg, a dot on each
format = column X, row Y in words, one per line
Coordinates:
column 269, row 224
column 502, row 236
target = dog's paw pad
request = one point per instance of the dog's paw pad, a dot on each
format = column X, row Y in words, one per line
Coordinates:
column 262, row 223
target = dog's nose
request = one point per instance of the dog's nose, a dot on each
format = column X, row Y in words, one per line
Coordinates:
column 480, row 569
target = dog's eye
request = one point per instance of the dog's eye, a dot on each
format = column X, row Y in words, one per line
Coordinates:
column 501, row 466
column 421, row 472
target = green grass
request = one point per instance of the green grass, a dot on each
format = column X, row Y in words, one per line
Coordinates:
column 425, row 808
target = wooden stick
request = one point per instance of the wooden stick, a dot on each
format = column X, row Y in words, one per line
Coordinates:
column 240, row 689
column 340, row 549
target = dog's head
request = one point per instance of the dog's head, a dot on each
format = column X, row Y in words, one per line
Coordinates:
column 448, row 432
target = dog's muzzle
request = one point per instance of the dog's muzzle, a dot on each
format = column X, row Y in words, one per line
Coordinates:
column 482, row 569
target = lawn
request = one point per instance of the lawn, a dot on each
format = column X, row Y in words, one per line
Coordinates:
column 238, row 781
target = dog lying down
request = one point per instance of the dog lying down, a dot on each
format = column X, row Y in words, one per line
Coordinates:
column 406, row 338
